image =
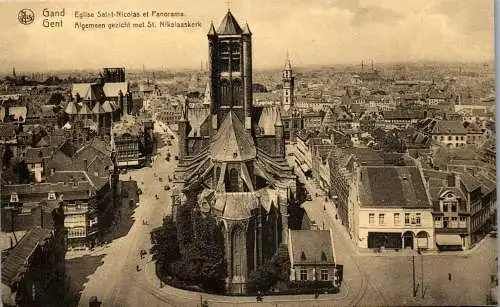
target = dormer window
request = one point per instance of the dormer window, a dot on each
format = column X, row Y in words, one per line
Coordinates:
column 14, row 198
column 303, row 256
column 51, row 196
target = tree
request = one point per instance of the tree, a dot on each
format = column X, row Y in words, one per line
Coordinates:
column 203, row 257
column 268, row 274
column 165, row 246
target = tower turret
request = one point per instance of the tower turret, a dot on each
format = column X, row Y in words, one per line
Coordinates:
column 183, row 132
column 279, row 134
column 230, row 69
column 288, row 85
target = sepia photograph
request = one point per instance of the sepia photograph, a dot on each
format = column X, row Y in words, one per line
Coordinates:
column 241, row 153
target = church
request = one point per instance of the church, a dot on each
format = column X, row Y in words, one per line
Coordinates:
column 232, row 158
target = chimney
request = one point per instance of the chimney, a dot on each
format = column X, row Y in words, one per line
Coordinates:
column 85, row 164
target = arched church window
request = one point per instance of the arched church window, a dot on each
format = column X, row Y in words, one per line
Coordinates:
column 237, row 92
column 225, row 93
column 235, row 57
column 233, row 180
column 224, row 57
column 238, row 245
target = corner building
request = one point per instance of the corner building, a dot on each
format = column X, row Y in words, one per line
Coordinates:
column 232, row 158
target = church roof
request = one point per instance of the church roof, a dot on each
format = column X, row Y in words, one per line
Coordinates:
column 232, row 142
column 84, row 110
column 71, row 108
column 98, row 109
column 269, row 118
column 229, row 25
column 106, row 106
column 329, row 119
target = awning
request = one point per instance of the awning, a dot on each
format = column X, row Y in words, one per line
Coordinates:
column 449, row 240
column 305, row 168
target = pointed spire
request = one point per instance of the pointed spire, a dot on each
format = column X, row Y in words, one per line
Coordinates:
column 211, row 31
column 246, row 29
column 288, row 64
column 278, row 122
column 229, row 25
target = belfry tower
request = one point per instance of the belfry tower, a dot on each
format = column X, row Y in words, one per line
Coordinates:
column 288, row 85
column 230, row 71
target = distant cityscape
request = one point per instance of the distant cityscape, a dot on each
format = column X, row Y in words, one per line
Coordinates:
column 352, row 185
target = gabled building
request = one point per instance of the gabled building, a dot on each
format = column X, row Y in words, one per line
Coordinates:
column 83, row 180
column 312, row 255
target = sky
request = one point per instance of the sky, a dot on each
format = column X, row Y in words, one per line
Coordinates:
column 313, row 32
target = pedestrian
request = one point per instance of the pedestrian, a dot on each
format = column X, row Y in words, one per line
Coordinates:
column 137, row 268
column 449, row 276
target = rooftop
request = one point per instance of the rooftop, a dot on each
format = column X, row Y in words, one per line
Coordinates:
column 392, row 186
column 311, row 247
column 17, row 258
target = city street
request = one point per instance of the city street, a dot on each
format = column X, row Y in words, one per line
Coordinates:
column 386, row 279
column 369, row 279
column 116, row 282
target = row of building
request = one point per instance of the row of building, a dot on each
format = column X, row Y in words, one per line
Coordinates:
column 400, row 200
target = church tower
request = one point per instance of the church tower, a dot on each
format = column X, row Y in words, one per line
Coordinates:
column 288, row 85
column 230, row 71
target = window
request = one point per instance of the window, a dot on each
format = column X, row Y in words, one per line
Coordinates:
column 446, row 221
column 14, row 198
column 52, row 196
column 381, row 219
column 445, row 207
column 449, row 138
column 396, row 218
column 454, row 208
column 407, row 218
column 417, row 217
column 371, row 218
column 412, row 219
column 303, row 274
column 324, row 274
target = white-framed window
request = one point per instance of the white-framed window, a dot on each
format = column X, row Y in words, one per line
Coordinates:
column 51, row 196
column 371, row 218
column 407, row 218
column 396, row 218
column 381, row 218
column 14, row 198
column 303, row 274
column 417, row 218
column 324, row 274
